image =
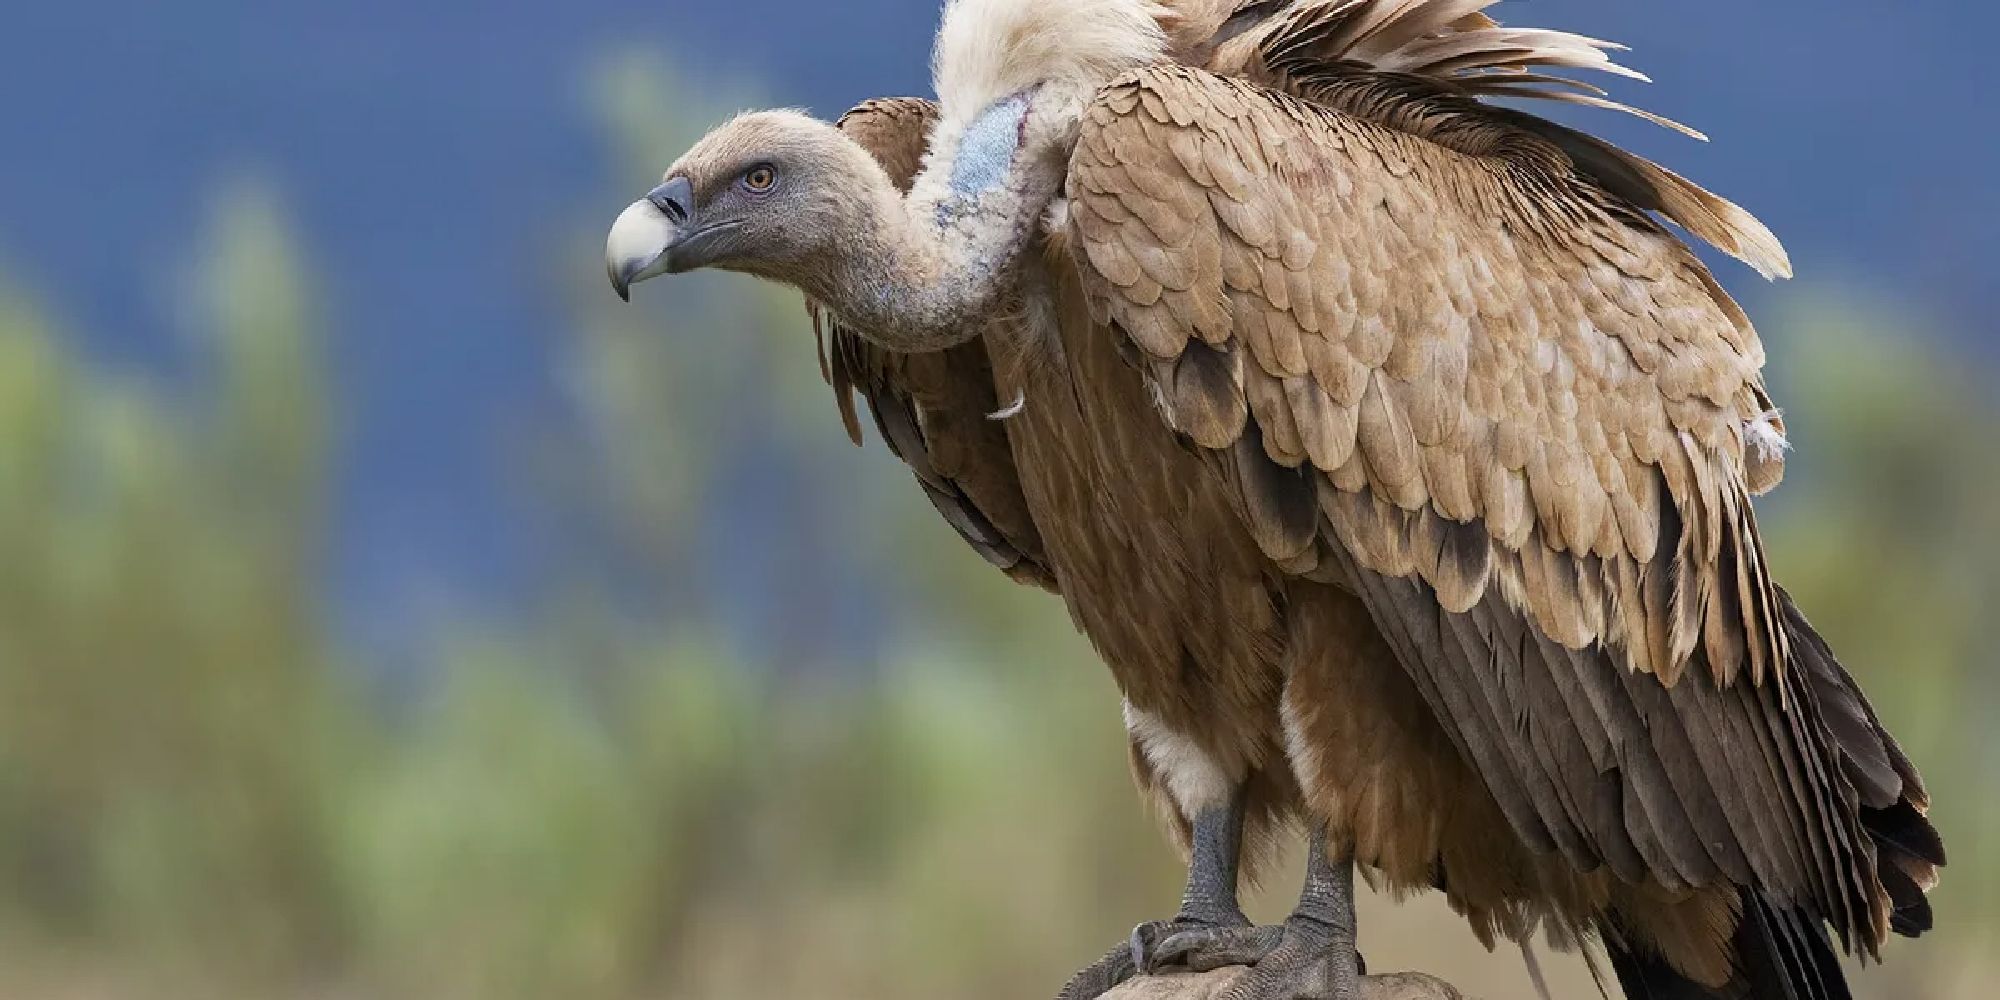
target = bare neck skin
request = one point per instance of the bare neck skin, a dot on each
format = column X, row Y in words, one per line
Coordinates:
column 923, row 272
column 914, row 273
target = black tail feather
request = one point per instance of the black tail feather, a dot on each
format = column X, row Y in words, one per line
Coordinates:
column 1910, row 912
column 1902, row 827
column 1649, row 977
column 1811, row 970
column 1781, row 954
column 1908, row 850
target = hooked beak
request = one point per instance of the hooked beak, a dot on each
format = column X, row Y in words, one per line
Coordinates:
column 643, row 240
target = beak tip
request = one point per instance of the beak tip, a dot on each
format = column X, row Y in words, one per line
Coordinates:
column 638, row 246
column 620, row 280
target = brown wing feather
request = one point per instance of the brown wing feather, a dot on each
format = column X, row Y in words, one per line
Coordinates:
column 1523, row 412
column 1413, row 59
column 931, row 408
column 1463, row 338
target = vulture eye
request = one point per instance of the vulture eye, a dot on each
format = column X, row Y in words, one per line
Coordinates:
column 760, row 178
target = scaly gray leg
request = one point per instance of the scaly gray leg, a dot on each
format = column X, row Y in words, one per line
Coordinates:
column 1312, row 956
column 1207, row 904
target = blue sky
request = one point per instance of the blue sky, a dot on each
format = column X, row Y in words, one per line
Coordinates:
column 434, row 155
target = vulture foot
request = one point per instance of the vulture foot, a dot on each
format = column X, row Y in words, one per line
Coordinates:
column 1208, row 913
column 1311, row 957
column 1201, row 949
column 1142, row 953
column 1307, row 962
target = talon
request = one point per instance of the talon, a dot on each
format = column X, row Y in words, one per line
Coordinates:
column 1208, row 905
column 1203, row 949
column 1188, row 943
column 1138, row 947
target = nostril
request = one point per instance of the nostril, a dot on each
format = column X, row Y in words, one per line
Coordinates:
column 675, row 199
column 675, row 210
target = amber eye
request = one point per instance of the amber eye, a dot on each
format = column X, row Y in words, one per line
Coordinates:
column 760, row 178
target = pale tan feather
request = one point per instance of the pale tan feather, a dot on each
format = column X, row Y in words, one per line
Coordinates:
column 1518, row 398
column 1479, row 349
column 1453, row 48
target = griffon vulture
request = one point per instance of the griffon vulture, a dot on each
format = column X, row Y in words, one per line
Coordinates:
column 1393, row 453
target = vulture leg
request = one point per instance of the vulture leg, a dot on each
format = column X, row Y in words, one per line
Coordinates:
column 1317, row 956
column 1311, row 956
column 1208, row 905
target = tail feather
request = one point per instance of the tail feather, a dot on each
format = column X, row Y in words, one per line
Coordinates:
column 1910, row 911
column 1781, row 954
column 1809, row 969
column 1908, row 849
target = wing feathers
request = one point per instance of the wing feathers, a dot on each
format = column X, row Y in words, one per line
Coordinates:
column 1421, row 65
column 1550, row 382
column 930, row 409
column 1523, row 409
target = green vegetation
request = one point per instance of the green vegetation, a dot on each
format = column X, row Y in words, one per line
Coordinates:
column 200, row 797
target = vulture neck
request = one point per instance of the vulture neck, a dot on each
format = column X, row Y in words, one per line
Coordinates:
column 926, row 270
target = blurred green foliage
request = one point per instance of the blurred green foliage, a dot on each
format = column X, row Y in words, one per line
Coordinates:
column 200, row 798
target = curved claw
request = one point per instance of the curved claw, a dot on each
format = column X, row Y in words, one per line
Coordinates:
column 1203, row 949
column 1145, row 937
column 1158, row 945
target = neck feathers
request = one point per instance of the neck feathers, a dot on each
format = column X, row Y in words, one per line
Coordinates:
column 988, row 50
column 1013, row 78
column 935, row 266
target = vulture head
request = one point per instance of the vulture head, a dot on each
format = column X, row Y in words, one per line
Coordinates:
column 774, row 194
column 785, row 197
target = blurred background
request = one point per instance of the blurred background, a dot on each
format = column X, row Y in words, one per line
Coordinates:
column 388, row 612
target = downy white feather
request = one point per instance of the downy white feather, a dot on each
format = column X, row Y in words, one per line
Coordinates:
column 988, row 50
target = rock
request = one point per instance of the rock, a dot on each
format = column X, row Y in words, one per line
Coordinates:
column 1209, row 985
